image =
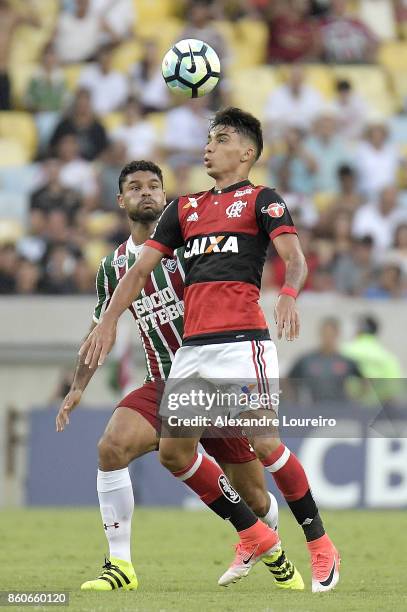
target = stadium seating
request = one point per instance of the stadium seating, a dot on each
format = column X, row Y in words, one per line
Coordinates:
column 245, row 95
column 19, row 126
column 372, row 83
column 125, row 55
column 11, row 230
column 168, row 29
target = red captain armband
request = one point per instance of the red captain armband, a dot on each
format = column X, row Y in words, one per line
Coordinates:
column 287, row 290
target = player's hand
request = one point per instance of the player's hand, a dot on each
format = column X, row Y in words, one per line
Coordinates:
column 70, row 402
column 99, row 343
column 287, row 318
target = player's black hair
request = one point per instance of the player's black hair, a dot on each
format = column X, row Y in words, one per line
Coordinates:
column 244, row 123
column 139, row 166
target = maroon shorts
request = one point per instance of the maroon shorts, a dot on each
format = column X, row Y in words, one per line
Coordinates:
column 146, row 399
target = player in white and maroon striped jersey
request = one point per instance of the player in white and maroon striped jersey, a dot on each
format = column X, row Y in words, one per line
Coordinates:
column 134, row 428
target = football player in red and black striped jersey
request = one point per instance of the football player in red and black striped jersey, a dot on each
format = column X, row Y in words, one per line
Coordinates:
column 226, row 232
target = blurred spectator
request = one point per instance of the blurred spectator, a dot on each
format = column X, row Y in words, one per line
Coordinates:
column 347, row 198
column 77, row 34
column 137, row 134
column 46, row 94
column 300, row 205
column 58, row 271
column 398, row 253
column 323, row 281
column 346, row 39
column 341, row 232
column 380, row 219
column 275, row 275
column 10, row 19
column 108, row 88
column 8, row 267
column 82, row 122
column 328, row 150
column 353, row 270
column 351, row 110
column 202, row 26
column 27, row 277
column 46, row 90
column 389, row 285
column 186, row 132
column 376, row 159
column 323, row 372
column 293, row 35
column 116, row 18
column 109, row 168
column 33, row 245
column 53, row 194
column 373, row 359
column 76, row 172
column 83, row 277
column 293, row 103
column 148, row 83
column 296, row 163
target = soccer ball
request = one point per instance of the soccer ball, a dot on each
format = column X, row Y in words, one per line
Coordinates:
column 191, row 68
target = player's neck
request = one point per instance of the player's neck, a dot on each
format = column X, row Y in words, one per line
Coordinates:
column 140, row 232
column 224, row 181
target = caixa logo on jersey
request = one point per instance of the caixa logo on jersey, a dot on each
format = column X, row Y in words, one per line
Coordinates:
column 211, row 244
column 227, row 489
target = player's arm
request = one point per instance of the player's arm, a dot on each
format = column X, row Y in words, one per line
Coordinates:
column 81, row 379
column 166, row 238
column 275, row 220
column 285, row 312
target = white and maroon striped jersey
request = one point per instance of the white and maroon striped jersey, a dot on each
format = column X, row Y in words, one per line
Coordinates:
column 158, row 310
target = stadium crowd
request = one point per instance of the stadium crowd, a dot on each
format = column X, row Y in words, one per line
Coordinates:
column 81, row 94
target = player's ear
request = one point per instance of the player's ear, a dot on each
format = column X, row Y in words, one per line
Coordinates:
column 248, row 155
column 120, row 200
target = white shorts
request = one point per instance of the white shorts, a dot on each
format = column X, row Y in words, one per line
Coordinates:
column 249, row 367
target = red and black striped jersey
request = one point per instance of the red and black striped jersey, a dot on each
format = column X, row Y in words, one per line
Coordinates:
column 226, row 234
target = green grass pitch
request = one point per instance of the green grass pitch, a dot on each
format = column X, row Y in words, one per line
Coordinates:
column 179, row 556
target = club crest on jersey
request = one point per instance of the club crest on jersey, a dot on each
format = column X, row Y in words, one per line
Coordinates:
column 120, row 261
column 235, row 209
column 211, row 244
column 191, row 204
column 170, row 264
column 242, row 192
column 276, row 209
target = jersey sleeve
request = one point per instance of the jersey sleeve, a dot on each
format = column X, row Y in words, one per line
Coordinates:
column 167, row 235
column 102, row 292
column 272, row 214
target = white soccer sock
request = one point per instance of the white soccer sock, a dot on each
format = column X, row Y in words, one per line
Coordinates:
column 271, row 518
column 116, row 501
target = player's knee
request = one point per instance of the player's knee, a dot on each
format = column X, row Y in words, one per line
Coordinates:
column 263, row 447
column 112, row 454
column 173, row 460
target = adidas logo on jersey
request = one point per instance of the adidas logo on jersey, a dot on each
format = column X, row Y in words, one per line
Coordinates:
column 193, row 217
column 211, row 244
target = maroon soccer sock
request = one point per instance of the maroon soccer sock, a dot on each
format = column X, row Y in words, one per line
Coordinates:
column 208, row 481
column 290, row 478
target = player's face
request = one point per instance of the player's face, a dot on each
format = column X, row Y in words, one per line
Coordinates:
column 143, row 197
column 226, row 151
